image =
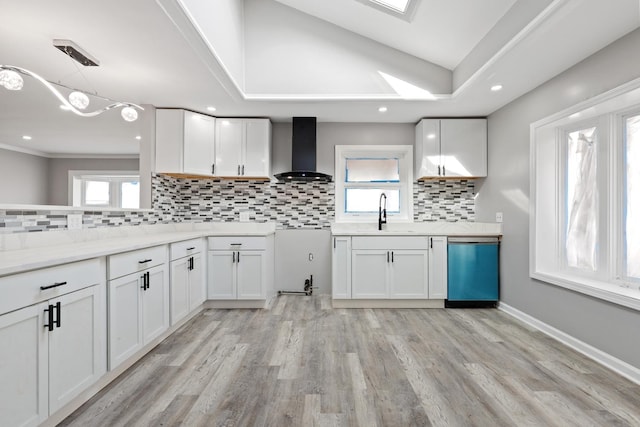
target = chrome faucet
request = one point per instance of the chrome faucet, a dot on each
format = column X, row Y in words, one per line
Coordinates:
column 382, row 212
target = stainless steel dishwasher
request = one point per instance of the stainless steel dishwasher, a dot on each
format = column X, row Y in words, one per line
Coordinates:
column 473, row 271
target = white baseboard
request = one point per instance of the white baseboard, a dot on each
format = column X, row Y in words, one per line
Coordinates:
column 621, row 367
column 387, row 303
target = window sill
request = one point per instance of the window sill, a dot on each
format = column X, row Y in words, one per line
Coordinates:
column 607, row 291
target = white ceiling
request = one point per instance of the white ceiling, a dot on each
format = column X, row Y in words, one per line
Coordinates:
column 150, row 53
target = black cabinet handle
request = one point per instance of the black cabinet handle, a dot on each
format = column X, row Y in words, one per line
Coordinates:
column 443, row 171
column 213, row 168
column 391, row 256
column 238, row 170
column 387, row 256
column 238, row 257
column 55, row 285
column 49, row 311
column 58, row 314
column 234, row 258
column 191, row 248
column 144, row 282
column 148, row 279
column 438, row 170
column 144, row 261
column 431, row 242
column 242, row 169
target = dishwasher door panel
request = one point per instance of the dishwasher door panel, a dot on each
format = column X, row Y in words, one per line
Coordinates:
column 473, row 272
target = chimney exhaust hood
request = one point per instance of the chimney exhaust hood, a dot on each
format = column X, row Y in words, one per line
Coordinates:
column 303, row 153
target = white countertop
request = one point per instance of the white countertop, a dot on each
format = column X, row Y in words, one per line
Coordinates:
column 29, row 251
column 430, row 228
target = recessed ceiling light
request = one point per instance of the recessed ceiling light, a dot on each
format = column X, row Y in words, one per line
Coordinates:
column 431, row 136
column 496, row 88
column 212, row 109
column 138, row 137
column 382, row 109
column 26, row 137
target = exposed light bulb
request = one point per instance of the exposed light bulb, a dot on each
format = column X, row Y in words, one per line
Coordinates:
column 129, row 114
column 79, row 100
column 11, row 80
column 382, row 109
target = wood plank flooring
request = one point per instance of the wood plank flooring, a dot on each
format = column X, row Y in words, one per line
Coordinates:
column 303, row 363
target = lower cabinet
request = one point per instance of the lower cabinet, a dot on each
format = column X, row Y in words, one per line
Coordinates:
column 187, row 278
column 240, row 268
column 389, row 267
column 51, row 351
column 138, row 303
column 398, row 274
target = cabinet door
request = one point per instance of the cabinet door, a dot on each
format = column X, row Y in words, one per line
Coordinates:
column 408, row 274
column 428, row 159
column 197, row 291
column 257, row 147
column 228, row 151
column 341, row 271
column 464, row 147
column 199, row 136
column 155, row 304
column 179, row 294
column 438, row 267
column 77, row 347
column 125, row 325
column 369, row 273
column 250, row 274
column 222, row 275
column 23, row 367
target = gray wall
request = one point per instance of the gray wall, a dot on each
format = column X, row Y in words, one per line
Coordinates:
column 58, row 178
column 23, row 178
column 331, row 134
column 606, row 326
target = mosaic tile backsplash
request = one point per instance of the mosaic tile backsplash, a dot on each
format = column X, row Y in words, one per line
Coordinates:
column 289, row 205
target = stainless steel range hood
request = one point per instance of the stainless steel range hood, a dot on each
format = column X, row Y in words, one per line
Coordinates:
column 303, row 153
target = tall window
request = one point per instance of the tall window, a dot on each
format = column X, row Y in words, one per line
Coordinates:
column 581, row 199
column 585, row 194
column 105, row 189
column 632, row 197
column 363, row 173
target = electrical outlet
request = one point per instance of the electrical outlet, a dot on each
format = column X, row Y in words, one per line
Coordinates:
column 498, row 216
column 244, row 216
column 74, row 222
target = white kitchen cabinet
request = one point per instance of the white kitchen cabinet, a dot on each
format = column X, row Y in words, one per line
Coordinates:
column 243, row 148
column 389, row 268
column 451, row 148
column 438, row 267
column 138, row 301
column 52, row 350
column 184, row 142
column 240, row 268
column 187, row 278
column 341, row 268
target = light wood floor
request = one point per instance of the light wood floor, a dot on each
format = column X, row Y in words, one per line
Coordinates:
column 305, row 364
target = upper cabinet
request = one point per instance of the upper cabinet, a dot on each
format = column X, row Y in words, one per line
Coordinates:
column 451, row 148
column 243, row 148
column 184, row 142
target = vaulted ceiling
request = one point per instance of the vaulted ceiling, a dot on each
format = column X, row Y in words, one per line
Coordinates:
column 338, row 60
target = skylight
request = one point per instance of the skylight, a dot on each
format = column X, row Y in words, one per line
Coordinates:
column 399, row 6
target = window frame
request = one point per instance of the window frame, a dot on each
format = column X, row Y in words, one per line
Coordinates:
column 79, row 178
column 547, row 259
column 404, row 154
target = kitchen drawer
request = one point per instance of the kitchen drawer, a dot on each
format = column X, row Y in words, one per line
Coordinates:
column 24, row 289
column 243, row 243
column 389, row 242
column 186, row 248
column 134, row 261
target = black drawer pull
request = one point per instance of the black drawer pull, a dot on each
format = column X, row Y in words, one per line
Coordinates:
column 144, row 261
column 55, row 285
column 191, row 248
